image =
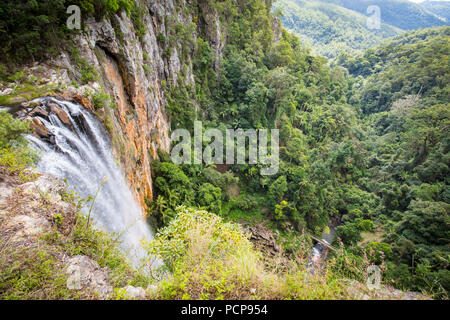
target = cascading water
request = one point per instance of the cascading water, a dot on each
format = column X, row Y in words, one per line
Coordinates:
column 319, row 250
column 80, row 152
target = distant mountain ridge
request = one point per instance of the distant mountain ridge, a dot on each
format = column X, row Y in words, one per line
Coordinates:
column 440, row 8
column 330, row 27
column 402, row 14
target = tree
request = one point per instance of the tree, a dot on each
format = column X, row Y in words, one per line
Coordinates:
column 426, row 222
column 210, row 197
column 277, row 190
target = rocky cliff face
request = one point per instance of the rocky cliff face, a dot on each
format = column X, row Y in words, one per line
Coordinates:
column 121, row 72
column 132, row 70
column 138, row 126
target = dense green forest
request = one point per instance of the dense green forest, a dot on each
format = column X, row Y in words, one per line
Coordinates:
column 37, row 29
column 402, row 94
column 369, row 148
column 364, row 141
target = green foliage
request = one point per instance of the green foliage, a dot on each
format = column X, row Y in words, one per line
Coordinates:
column 32, row 276
column 368, row 147
column 181, row 106
column 14, row 152
column 171, row 242
column 210, row 197
column 33, row 30
column 415, row 63
column 365, row 225
column 356, row 147
column 11, row 131
column 426, row 223
column 212, row 259
column 349, row 233
column 378, row 251
column 277, row 189
column 402, row 89
column 102, row 100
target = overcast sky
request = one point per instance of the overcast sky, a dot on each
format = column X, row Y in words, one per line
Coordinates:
column 424, row 0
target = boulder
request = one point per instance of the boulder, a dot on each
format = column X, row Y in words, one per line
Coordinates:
column 135, row 293
column 84, row 273
column 38, row 111
column 39, row 129
column 60, row 113
column 85, row 102
column 27, row 226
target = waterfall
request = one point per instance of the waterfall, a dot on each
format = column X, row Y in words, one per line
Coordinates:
column 318, row 250
column 79, row 150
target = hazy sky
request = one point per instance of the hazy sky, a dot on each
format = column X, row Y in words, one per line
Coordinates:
column 424, row 0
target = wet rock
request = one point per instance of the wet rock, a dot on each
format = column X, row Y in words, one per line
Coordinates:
column 85, row 102
column 39, row 129
column 38, row 111
column 60, row 113
column 21, row 114
column 85, row 274
column 25, row 104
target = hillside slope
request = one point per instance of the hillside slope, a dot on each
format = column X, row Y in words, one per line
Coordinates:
column 330, row 29
column 402, row 14
column 48, row 251
column 402, row 90
column 440, row 8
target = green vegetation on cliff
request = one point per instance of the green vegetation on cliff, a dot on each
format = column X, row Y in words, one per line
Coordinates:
column 35, row 30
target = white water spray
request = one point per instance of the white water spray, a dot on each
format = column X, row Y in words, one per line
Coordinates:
column 82, row 154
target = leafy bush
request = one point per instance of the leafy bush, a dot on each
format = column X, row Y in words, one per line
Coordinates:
column 32, row 30
column 211, row 259
column 210, row 197
column 14, row 152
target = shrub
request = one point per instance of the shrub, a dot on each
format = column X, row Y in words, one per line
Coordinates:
column 36, row 29
column 101, row 100
column 14, row 152
column 209, row 197
column 211, row 259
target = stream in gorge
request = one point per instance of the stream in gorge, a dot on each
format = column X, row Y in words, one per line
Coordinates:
column 79, row 150
column 319, row 251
